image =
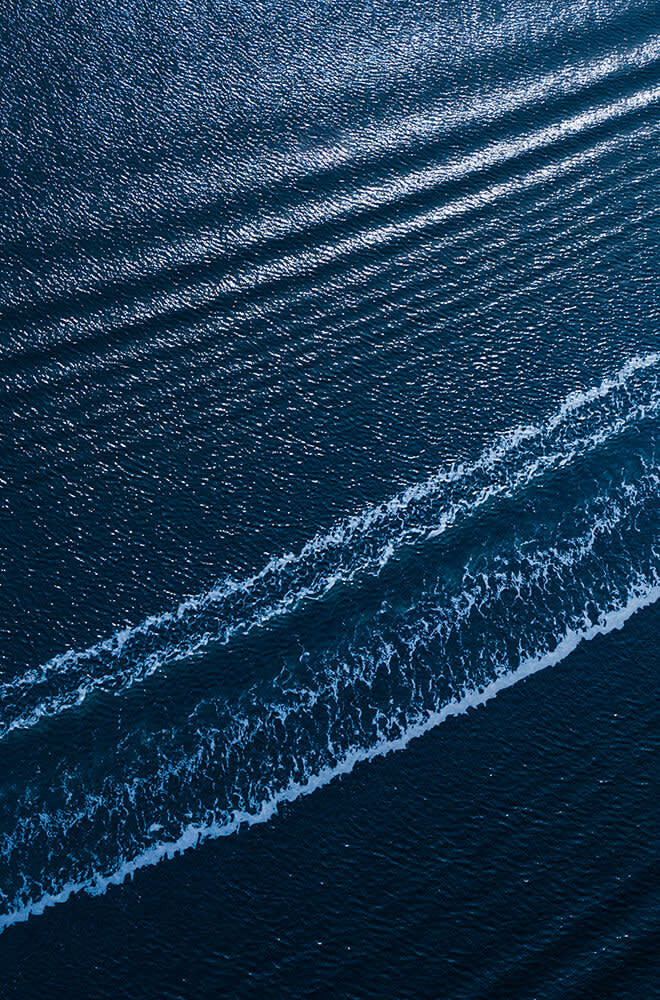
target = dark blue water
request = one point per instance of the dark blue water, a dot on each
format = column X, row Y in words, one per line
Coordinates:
column 329, row 496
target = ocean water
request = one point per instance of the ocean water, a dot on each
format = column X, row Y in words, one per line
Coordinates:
column 329, row 499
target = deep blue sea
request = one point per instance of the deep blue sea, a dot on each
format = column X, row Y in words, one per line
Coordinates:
column 329, row 499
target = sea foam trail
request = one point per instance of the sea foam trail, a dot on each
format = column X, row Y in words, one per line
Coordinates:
column 404, row 725
column 559, row 570
column 359, row 546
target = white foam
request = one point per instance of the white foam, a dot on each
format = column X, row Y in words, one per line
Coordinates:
column 196, row 834
column 302, row 577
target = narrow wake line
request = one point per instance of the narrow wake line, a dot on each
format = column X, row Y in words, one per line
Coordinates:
column 52, row 372
column 196, row 834
column 352, row 150
column 340, row 209
column 333, row 253
column 355, row 150
column 425, row 180
column 361, row 545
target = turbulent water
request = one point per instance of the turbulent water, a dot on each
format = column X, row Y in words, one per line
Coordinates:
column 330, row 399
column 442, row 622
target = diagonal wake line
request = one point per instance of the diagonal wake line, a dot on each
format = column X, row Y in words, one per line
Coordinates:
column 353, row 150
column 359, row 546
column 382, row 194
column 206, row 294
column 381, row 140
column 368, row 198
column 197, row 833
column 86, row 823
column 356, row 148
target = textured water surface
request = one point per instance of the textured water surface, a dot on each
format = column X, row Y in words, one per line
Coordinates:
column 329, row 403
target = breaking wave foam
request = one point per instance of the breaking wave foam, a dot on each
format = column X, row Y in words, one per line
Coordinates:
column 359, row 546
column 195, row 834
column 565, row 565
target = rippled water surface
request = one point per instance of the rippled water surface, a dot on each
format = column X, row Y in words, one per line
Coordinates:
column 329, row 401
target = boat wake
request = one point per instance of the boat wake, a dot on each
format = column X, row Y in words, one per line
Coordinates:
column 402, row 615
